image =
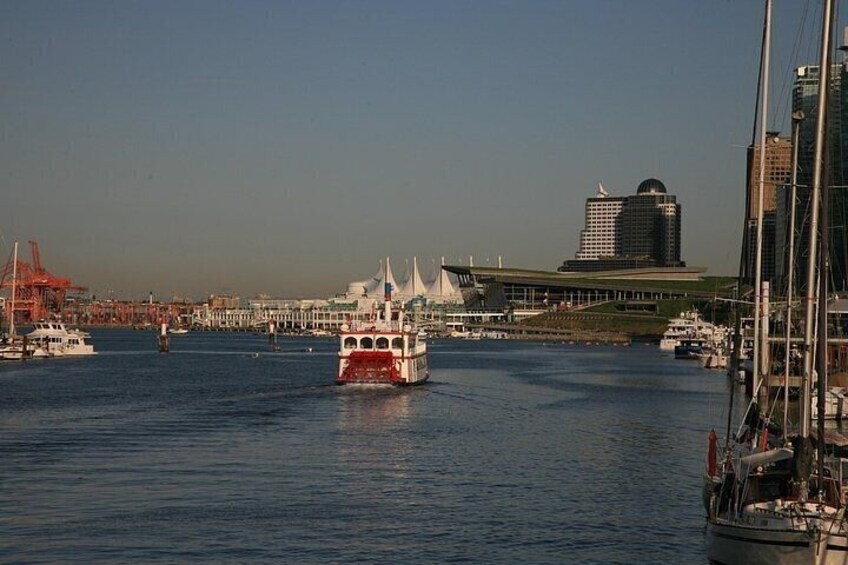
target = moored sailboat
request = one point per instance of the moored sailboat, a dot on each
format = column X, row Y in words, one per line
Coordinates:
column 775, row 498
column 12, row 346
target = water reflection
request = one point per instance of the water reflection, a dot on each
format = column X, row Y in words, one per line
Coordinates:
column 376, row 428
column 374, row 456
column 370, row 408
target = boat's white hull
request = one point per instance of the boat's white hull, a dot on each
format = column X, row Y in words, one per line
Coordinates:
column 729, row 544
column 73, row 351
column 714, row 361
column 414, row 370
column 12, row 353
column 15, row 352
column 668, row 344
column 41, row 353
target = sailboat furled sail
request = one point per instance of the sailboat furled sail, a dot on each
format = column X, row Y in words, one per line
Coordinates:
column 773, row 496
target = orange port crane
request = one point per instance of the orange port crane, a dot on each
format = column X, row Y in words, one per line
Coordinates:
column 38, row 294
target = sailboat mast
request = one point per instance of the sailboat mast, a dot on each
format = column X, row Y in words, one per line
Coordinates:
column 744, row 256
column 824, row 277
column 14, row 289
column 797, row 118
column 815, row 197
column 758, row 264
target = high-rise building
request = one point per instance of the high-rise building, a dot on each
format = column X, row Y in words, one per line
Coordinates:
column 600, row 238
column 650, row 225
column 805, row 96
column 835, row 174
column 642, row 230
column 778, row 167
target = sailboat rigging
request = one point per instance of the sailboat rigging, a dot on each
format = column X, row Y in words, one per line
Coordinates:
column 14, row 347
column 774, row 499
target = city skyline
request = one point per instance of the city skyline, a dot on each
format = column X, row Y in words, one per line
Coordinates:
column 190, row 148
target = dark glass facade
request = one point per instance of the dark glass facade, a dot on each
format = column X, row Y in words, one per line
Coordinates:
column 650, row 228
column 805, row 99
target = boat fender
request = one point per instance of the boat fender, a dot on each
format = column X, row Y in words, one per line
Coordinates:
column 712, row 467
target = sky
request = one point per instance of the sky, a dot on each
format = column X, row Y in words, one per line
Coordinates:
column 189, row 148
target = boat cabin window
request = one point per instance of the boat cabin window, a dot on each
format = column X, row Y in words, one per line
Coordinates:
column 367, row 343
column 350, row 343
column 768, row 487
column 397, row 343
column 382, row 343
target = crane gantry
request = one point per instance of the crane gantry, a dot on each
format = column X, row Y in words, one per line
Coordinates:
column 38, row 293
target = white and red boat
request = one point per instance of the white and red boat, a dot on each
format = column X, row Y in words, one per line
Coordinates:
column 383, row 351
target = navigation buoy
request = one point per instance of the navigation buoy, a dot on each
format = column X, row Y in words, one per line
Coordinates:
column 164, row 339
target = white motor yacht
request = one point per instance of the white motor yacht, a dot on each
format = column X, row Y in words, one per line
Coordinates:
column 59, row 341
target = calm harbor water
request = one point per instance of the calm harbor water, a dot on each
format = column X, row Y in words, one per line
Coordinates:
column 541, row 453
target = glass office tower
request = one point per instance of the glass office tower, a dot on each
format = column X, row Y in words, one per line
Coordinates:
column 805, row 99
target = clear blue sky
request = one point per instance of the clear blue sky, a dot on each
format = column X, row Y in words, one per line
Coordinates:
column 197, row 147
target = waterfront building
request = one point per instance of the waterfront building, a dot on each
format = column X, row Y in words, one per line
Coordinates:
column 641, row 230
column 523, row 292
column 224, row 302
column 435, row 305
column 93, row 312
column 299, row 316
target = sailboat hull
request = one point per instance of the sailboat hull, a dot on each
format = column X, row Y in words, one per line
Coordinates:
column 728, row 544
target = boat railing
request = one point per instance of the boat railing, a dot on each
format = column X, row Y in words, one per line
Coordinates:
column 376, row 327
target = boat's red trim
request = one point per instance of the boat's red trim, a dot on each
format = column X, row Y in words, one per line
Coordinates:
column 370, row 367
column 397, row 357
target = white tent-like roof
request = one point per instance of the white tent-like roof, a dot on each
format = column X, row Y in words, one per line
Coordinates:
column 443, row 287
column 373, row 285
column 378, row 286
column 413, row 286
